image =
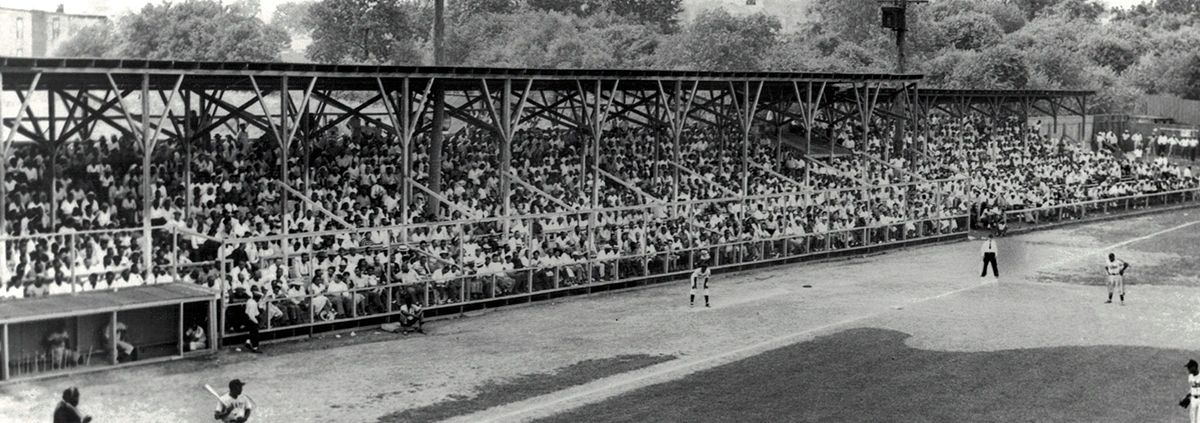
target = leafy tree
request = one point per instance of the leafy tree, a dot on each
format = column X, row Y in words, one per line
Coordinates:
column 540, row 38
column 717, row 40
column 1089, row 10
column 1033, row 8
column 853, row 21
column 1007, row 14
column 970, row 31
column 363, row 31
column 1116, row 46
column 99, row 40
column 663, row 13
column 201, row 30
column 1003, row 66
column 293, row 16
column 459, row 10
column 576, row 7
column 1191, row 7
column 1113, row 93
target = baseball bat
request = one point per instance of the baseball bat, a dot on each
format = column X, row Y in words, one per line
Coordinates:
column 213, row 391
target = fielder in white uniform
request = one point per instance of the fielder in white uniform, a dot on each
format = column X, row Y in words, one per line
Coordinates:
column 700, row 281
column 1116, row 277
column 1193, row 408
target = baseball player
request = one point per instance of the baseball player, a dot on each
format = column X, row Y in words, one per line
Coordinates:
column 68, row 411
column 1192, row 400
column 1116, row 277
column 235, row 407
column 703, row 273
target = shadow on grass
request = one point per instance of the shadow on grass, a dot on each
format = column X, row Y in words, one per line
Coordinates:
column 492, row 394
column 872, row 375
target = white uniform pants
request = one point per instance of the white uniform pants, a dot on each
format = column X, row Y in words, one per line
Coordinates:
column 1194, row 410
column 1117, row 283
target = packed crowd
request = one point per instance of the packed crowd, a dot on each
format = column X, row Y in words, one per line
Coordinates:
column 788, row 203
column 1015, row 168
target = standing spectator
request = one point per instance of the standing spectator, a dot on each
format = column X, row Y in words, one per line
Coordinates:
column 251, row 312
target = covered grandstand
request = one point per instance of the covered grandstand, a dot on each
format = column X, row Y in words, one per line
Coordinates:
column 326, row 190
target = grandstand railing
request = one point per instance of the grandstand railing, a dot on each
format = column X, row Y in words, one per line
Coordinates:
column 1100, row 208
column 169, row 265
column 469, row 292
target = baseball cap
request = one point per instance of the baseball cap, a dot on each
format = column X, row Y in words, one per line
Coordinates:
column 1192, row 363
column 236, row 382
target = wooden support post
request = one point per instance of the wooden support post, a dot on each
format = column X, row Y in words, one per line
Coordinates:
column 808, row 111
column 190, row 119
column 506, row 153
column 147, row 188
column 112, row 337
column 284, row 147
column 5, row 353
column 179, row 345
column 435, row 144
column 677, row 112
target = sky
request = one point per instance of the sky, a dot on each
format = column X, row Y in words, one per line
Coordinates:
column 115, row 7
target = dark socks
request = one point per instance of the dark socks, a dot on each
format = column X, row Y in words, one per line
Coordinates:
column 692, row 299
column 705, row 300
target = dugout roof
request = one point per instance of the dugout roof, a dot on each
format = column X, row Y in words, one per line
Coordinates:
column 96, row 302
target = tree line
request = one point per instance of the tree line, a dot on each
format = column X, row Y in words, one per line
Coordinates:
column 1152, row 48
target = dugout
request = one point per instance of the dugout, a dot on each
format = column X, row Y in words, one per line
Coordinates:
column 68, row 334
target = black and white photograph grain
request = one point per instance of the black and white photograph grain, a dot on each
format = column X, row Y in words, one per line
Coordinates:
column 599, row 211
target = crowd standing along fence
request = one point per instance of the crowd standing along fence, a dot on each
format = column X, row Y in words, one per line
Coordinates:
column 1105, row 208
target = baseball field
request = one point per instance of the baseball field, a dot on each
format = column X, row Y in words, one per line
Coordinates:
column 906, row 336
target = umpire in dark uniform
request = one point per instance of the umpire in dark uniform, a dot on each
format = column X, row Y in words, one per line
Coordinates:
column 988, row 249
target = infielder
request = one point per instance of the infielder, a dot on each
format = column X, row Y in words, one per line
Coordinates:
column 702, row 273
column 235, row 407
column 1116, row 277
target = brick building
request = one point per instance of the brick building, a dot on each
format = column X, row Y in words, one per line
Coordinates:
column 37, row 33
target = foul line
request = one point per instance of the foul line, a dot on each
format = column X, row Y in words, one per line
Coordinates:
column 1120, row 244
column 632, row 382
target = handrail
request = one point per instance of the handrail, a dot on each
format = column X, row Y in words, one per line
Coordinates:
column 641, row 207
column 1102, row 200
column 826, row 233
column 425, row 279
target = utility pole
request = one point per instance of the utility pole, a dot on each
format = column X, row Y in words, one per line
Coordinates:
column 895, row 18
column 439, row 109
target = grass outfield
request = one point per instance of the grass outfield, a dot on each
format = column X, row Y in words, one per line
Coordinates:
column 911, row 335
column 871, row 375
